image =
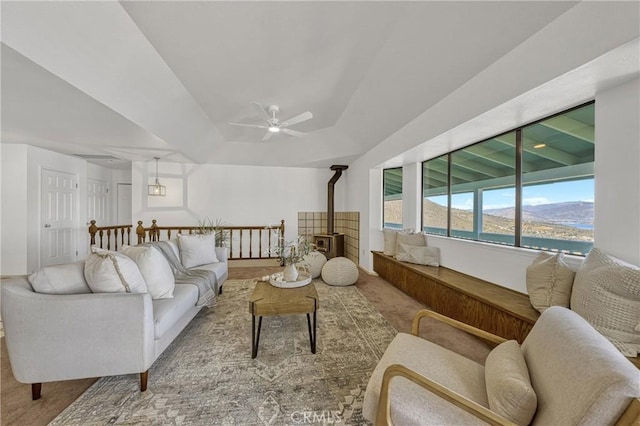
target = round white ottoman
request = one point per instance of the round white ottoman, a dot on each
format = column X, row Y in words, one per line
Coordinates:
column 315, row 261
column 340, row 271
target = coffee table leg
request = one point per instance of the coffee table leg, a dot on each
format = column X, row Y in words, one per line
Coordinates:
column 312, row 335
column 255, row 340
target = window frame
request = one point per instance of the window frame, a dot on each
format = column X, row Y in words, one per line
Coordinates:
column 519, row 181
column 384, row 192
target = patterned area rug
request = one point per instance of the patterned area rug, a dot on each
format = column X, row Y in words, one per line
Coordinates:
column 206, row 376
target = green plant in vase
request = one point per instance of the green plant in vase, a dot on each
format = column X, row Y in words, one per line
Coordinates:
column 207, row 226
column 290, row 253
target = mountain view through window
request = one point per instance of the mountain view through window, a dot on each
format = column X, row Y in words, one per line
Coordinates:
column 556, row 191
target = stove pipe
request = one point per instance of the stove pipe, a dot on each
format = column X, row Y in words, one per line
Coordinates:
column 330, row 207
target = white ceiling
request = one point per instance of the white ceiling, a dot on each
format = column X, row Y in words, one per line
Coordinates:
column 136, row 79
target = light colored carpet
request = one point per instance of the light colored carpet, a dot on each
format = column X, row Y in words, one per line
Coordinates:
column 207, row 375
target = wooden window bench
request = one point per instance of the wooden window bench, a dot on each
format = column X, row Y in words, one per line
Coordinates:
column 476, row 302
column 484, row 305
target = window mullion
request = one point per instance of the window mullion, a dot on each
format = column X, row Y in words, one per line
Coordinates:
column 477, row 213
column 518, row 211
column 449, row 185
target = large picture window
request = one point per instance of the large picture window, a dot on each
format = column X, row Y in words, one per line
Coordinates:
column 532, row 187
column 392, row 198
column 435, row 201
column 557, row 182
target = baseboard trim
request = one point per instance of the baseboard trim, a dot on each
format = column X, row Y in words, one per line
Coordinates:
column 368, row 272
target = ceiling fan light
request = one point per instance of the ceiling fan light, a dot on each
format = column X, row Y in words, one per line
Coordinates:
column 274, row 129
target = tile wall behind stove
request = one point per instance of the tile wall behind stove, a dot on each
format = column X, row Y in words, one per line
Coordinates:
column 347, row 223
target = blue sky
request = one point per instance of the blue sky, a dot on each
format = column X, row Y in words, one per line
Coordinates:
column 559, row 192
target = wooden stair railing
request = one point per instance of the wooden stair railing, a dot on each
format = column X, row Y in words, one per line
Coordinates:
column 244, row 242
column 113, row 234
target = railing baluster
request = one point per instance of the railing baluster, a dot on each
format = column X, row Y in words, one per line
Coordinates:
column 140, row 232
column 92, row 231
column 153, row 233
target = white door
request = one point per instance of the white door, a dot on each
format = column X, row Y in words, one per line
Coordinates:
column 124, row 204
column 59, row 196
column 97, row 202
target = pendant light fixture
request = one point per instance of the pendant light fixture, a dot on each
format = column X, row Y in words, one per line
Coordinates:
column 156, row 189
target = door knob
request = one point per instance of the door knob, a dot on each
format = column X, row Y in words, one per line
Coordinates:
column 46, row 225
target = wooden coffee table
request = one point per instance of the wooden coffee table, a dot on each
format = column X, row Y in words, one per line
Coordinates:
column 268, row 300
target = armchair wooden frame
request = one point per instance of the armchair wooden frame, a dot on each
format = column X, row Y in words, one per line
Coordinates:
column 631, row 416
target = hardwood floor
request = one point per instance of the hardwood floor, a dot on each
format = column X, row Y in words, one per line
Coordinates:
column 17, row 408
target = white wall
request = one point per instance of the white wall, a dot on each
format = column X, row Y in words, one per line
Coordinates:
column 237, row 195
column 112, row 177
column 511, row 92
column 119, row 176
column 38, row 159
column 617, row 170
column 14, row 210
column 617, row 199
column 22, row 167
column 103, row 174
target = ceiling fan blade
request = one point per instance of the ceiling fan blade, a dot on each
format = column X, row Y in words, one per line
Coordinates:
column 263, row 112
column 267, row 136
column 297, row 119
column 292, row 132
column 249, row 125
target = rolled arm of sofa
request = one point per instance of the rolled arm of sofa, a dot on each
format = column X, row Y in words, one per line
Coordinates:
column 61, row 337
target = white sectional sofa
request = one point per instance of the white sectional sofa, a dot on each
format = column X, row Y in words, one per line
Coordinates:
column 53, row 337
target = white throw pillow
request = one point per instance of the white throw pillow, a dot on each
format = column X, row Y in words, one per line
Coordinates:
column 549, row 281
column 606, row 292
column 155, row 270
column 390, row 237
column 67, row 278
column 422, row 255
column 113, row 272
column 173, row 243
column 409, row 239
column 509, row 389
column 197, row 249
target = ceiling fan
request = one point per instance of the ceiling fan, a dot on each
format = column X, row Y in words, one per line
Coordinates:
column 273, row 124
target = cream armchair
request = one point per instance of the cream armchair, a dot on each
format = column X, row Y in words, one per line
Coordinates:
column 571, row 375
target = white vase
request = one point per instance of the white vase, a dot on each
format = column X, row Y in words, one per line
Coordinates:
column 290, row 273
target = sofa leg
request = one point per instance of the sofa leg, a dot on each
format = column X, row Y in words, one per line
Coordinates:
column 220, row 290
column 143, row 380
column 36, row 389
